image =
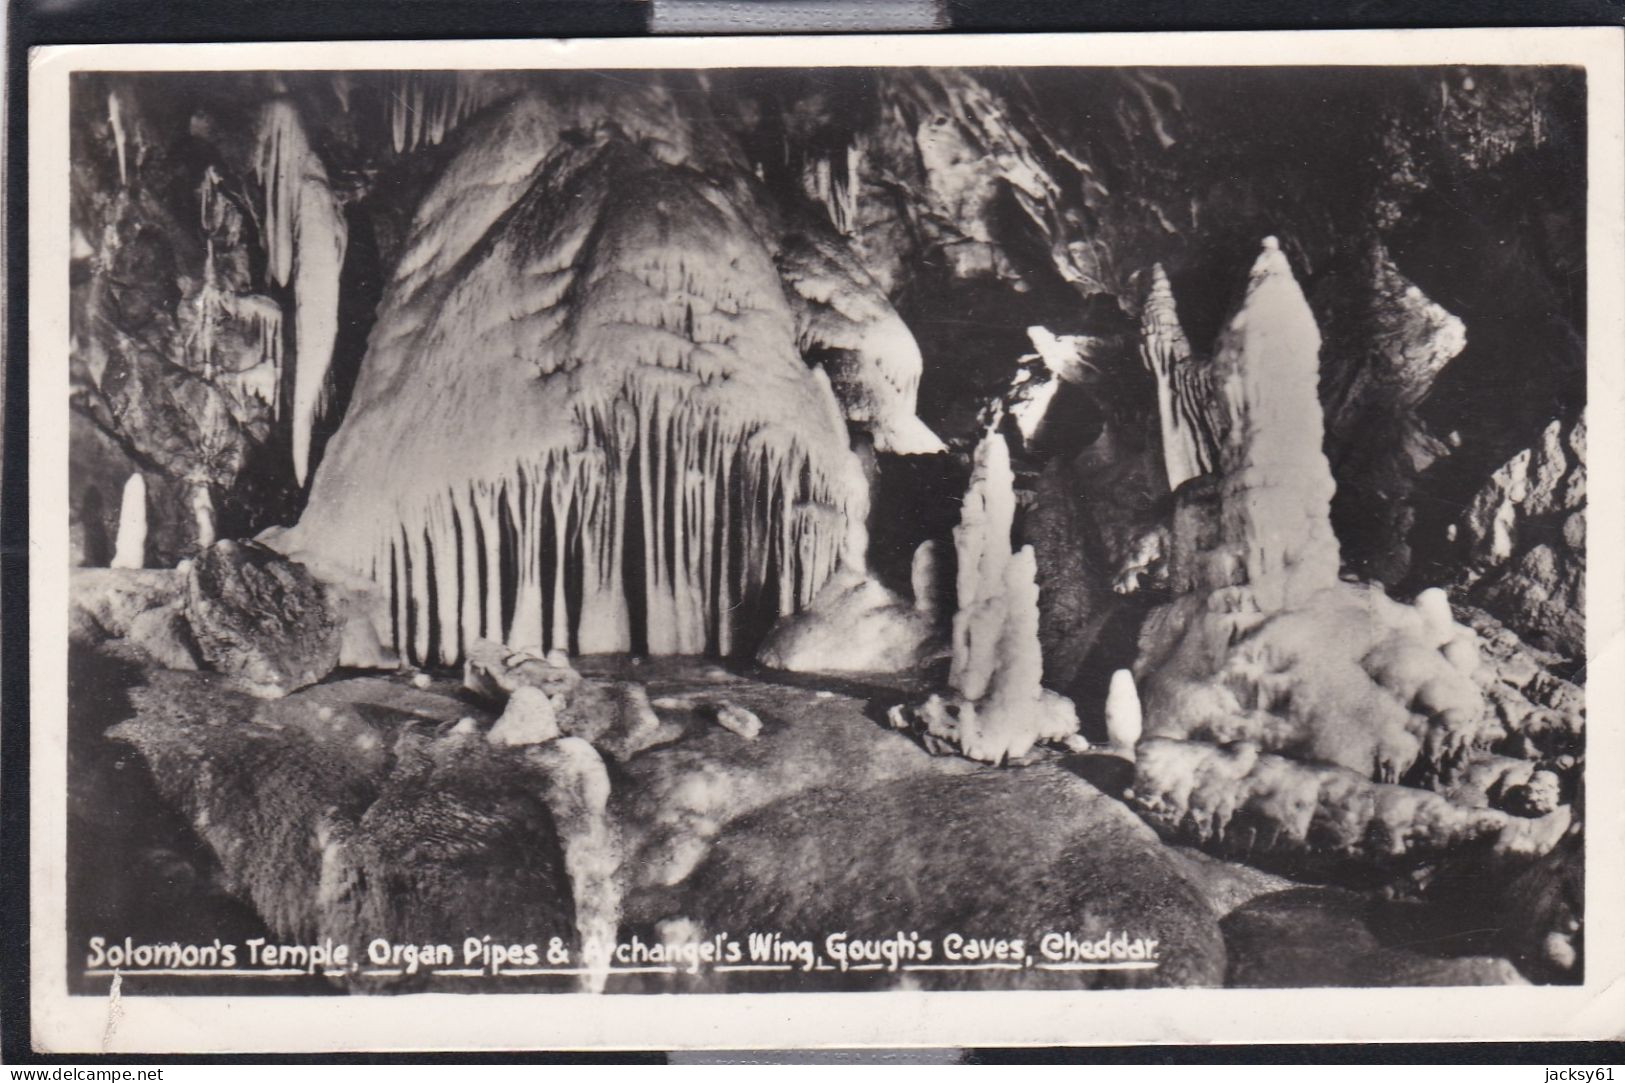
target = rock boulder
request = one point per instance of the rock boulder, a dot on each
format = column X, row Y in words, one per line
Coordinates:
column 261, row 619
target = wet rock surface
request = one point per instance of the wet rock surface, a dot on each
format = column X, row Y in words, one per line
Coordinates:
column 306, row 807
column 105, row 602
column 367, row 805
column 968, row 854
column 261, row 618
column 1315, row 937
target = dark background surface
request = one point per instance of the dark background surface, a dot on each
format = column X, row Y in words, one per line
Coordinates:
column 46, row 22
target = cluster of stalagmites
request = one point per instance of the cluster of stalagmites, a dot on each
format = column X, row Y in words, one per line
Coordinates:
column 996, row 708
column 1282, row 705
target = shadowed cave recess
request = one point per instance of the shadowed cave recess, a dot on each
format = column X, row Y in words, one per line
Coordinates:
column 669, row 503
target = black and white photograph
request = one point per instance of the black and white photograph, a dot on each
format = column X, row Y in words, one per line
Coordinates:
column 748, row 526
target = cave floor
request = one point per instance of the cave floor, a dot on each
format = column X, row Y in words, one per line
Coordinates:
column 828, row 823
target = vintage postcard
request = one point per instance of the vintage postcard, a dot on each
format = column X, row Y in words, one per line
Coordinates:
column 827, row 542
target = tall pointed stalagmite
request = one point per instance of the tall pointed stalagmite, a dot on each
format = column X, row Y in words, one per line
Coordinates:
column 1275, row 528
column 997, row 707
column 1264, row 643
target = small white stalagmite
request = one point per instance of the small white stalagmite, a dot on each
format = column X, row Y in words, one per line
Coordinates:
column 130, row 549
column 925, row 576
column 1434, row 606
column 1123, row 719
column 202, row 516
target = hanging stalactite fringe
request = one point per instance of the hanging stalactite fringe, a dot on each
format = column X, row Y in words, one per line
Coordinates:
column 724, row 525
column 424, row 106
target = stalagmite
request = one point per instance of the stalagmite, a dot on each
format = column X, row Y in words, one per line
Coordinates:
column 997, row 707
column 203, row 516
column 130, row 549
column 305, row 238
column 1275, row 543
column 1264, row 642
column 1123, row 712
column 1189, row 439
column 1434, row 605
column 596, row 421
column 925, row 577
column 982, row 540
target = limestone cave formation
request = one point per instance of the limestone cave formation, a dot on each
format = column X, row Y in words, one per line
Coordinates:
column 599, row 505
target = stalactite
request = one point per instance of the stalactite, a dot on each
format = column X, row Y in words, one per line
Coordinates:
column 210, row 302
column 264, row 315
column 424, row 106
column 216, row 303
column 115, row 120
column 489, row 525
column 570, row 514
column 836, row 183
column 470, row 591
column 343, row 84
column 305, row 238
column 845, row 321
column 130, row 547
column 211, row 205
